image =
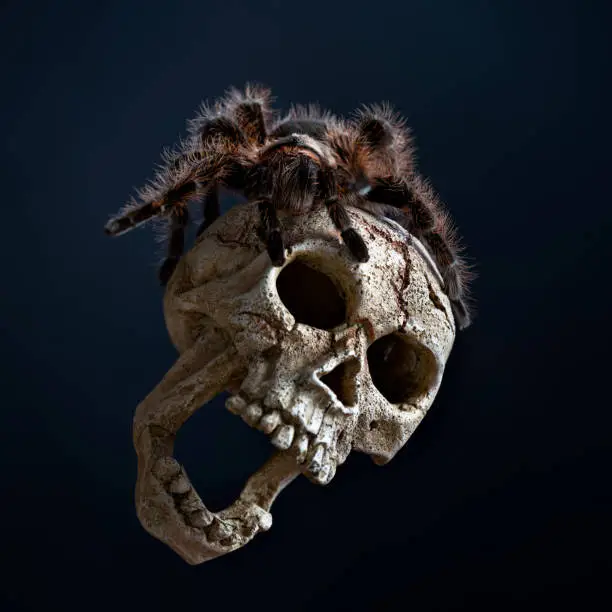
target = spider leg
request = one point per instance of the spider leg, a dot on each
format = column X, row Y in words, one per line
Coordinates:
column 340, row 218
column 251, row 118
column 252, row 110
column 383, row 137
column 223, row 127
column 425, row 218
column 350, row 237
column 211, row 209
column 375, row 131
column 135, row 215
column 459, row 306
column 271, row 232
column 182, row 180
column 240, row 117
column 401, row 195
column 176, row 245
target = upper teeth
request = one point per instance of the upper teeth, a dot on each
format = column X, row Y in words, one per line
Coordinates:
column 309, row 441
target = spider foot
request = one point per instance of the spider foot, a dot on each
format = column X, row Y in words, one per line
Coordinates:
column 276, row 248
column 356, row 245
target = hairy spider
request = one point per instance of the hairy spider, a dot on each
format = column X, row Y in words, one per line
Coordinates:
column 305, row 159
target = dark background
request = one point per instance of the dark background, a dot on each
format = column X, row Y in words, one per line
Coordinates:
column 501, row 500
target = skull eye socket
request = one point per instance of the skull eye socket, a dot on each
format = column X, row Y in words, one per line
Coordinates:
column 311, row 296
column 400, row 369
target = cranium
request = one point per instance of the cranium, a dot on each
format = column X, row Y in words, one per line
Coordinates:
column 323, row 355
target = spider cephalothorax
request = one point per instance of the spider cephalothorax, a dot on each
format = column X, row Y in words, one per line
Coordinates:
column 301, row 161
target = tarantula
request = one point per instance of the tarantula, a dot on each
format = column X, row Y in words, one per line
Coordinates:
column 306, row 159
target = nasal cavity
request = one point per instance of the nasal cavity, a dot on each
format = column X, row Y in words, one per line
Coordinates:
column 341, row 380
column 311, row 296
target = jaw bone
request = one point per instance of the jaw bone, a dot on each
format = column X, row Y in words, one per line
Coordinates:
column 166, row 503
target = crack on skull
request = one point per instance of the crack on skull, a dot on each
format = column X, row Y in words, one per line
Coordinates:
column 435, row 300
column 406, row 274
column 242, row 241
column 405, row 283
column 400, row 288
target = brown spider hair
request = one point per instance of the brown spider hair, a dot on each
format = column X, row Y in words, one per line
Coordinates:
column 305, row 159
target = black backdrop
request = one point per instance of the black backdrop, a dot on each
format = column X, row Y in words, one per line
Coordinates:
column 501, row 499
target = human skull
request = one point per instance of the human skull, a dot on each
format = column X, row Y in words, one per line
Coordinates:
column 324, row 355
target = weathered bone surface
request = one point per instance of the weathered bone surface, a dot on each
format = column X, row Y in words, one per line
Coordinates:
column 324, row 356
